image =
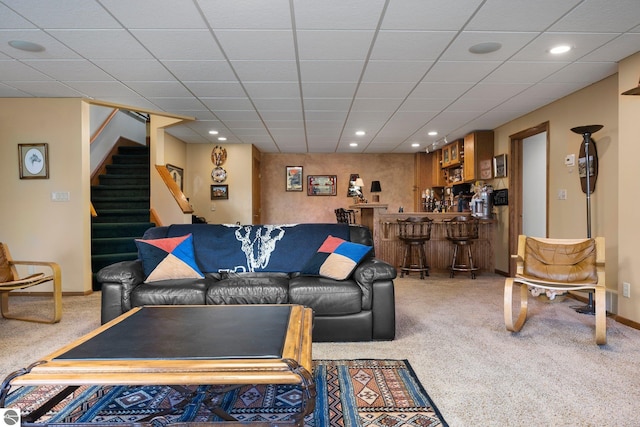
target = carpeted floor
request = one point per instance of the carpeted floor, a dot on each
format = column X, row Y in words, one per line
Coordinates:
column 349, row 393
column 452, row 332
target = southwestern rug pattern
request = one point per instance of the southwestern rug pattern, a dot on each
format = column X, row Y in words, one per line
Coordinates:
column 350, row 393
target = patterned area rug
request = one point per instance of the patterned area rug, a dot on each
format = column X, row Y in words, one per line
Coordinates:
column 350, row 393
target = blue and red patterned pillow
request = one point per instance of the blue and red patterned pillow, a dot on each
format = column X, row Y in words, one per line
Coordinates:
column 336, row 258
column 170, row 258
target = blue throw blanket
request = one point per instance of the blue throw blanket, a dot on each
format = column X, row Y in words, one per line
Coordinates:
column 255, row 248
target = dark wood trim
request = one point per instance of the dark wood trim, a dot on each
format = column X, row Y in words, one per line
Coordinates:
column 515, row 186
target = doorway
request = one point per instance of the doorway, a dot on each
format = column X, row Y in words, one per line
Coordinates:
column 530, row 179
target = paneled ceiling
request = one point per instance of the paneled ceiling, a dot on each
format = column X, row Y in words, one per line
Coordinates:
column 305, row 75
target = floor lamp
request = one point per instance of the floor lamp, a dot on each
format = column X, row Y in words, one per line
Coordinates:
column 586, row 132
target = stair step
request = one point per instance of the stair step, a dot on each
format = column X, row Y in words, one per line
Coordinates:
column 133, row 149
column 121, row 229
column 130, row 159
column 128, row 169
column 113, row 245
column 102, row 203
column 101, row 261
column 115, row 191
column 137, row 179
column 121, row 215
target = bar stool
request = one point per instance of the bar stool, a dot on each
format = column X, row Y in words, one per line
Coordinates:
column 414, row 232
column 462, row 231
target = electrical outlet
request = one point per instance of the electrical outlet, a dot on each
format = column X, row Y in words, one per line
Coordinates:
column 562, row 194
column 570, row 160
column 626, row 289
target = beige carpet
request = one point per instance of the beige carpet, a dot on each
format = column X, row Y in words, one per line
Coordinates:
column 452, row 333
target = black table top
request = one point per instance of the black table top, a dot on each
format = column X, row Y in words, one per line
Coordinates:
column 191, row 332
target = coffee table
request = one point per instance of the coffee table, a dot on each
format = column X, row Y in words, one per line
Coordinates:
column 188, row 345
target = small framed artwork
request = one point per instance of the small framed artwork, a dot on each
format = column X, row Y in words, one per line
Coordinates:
column 33, row 161
column 322, row 185
column 294, row 178
column 500, row 166
column 177, row 174
column 219, row 191
column 485, row 169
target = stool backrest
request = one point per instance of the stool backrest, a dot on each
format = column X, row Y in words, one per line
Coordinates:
column 345, row 216
column 462, row 227
column 415, row 228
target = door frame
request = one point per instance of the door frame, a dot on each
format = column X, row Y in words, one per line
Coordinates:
column 515, row 186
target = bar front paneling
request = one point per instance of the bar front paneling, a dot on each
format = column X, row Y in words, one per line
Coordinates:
column 439, row 250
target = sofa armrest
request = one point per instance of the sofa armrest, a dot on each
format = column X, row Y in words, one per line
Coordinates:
column 368, row 272
column 123, row 276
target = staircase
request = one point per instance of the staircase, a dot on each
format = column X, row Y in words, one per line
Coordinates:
column 121, row 201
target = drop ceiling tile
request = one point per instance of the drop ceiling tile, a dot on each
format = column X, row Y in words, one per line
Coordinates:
column 204, row 89
column 201, row 70
column 327, row 104
column 524, row 72
column 277, row 104
column 425, row 104
column 367, row 118
column 53, row 48
column 284, row 125
column 460, row 71
column 583, row 72
column 473, row 104
column 7, row 91
column 433, row 15
column 268, row 115
column 232, row 115
column 200, row 115
column 67, row 14
column 498, row 91
column 102, row 44
column 257, row 44
column 273, row 89
column 338, row 116
column 329, row 89
column 411, row 45
column 134, row 70
column 11, row 20
column 101, row 89
column 384, row 89
column 396, row 71
column 47, row 89
column 377, row 104
column 507, row 15
column 611, row 17
column 334, row 45
column 435, row 89
column 155, row 13
column 255, row 14
column 337, row 14
column 227, row 104
column 266, row 71
column 620, row 47
column 176, row 104
column 511, row 42
column 582, row 43
column 151, row 89
column 13, row 70
column 331, row 71
column 70, row 70
column 179, row 44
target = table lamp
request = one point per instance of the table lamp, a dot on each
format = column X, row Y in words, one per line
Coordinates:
column 376, row 188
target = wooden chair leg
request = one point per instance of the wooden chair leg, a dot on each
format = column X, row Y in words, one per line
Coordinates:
column 508, row 305
column 56, row 278
column 601, row 315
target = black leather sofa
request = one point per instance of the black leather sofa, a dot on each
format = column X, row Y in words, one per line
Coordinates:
column 359, row 308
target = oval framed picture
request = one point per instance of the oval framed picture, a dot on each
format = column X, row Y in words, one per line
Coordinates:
column 33, row 161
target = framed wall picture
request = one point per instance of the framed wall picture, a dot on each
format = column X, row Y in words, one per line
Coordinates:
column 294, row 178
column 322, row 185
column 500, row 166
column 177, row 174
column 33, row 161
column 219, row 191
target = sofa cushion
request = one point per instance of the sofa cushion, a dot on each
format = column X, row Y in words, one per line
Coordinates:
column 255, row 248
column 251, row 288
column 171, row 292
column 326, row 297
column 336, row 258
column 170, row 258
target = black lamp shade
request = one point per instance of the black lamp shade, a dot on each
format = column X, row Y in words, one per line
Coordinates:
column 375, row 187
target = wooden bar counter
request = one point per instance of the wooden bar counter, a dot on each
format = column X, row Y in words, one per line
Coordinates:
column 439, row 250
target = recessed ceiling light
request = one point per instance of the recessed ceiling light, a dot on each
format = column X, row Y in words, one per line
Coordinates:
column 484, row 48
column 415, row 144
column 25, row 45
column 432, row 133
column 353, row 144
column 360, row 133
column 213, row 132
column 557, row 50
column 222, row 138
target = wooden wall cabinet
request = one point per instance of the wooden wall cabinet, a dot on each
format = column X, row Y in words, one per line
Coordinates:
column 429, row 174
column 452, row 153
column 478, row 147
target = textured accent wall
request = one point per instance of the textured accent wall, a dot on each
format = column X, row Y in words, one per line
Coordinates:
column 394, row 171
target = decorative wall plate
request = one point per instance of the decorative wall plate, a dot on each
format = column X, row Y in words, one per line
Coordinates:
column 218, row 155
column 219, row 174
